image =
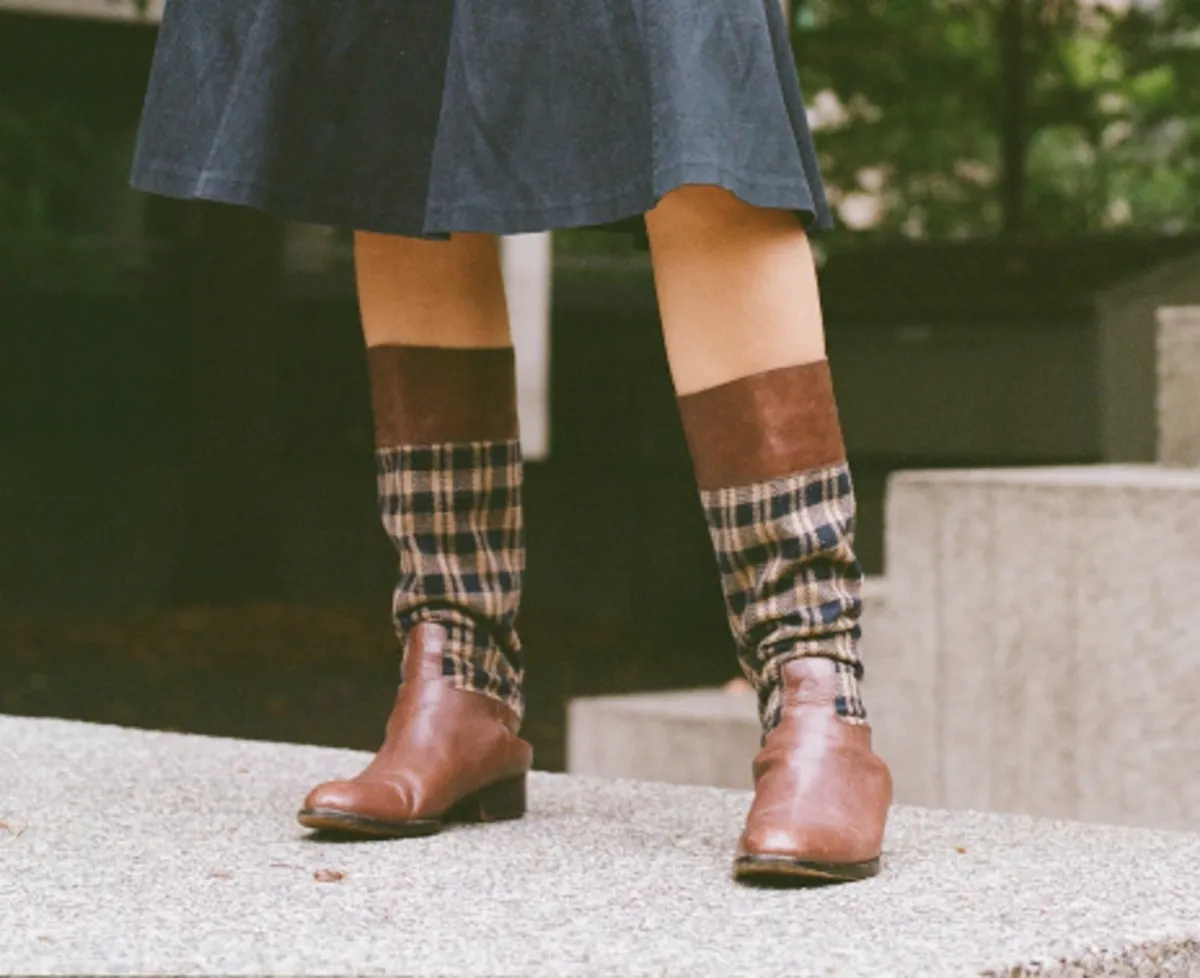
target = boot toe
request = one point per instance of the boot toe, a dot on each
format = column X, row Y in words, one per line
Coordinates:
column 774, row 841
column 815, row 843
column 334, row 796
column 378, row 802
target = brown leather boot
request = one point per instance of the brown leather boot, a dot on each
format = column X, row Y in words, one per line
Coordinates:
column 449, row 756
column 777, row 490
column 821, row 795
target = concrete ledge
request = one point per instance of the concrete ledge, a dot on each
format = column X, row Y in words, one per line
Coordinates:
column 697, row 737
column 1050, row 662
column 129, row 852
column 88, row 9
column 1179, row 386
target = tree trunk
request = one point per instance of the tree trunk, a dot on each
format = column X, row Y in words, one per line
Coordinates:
column 231, row 530
column 1014, row 114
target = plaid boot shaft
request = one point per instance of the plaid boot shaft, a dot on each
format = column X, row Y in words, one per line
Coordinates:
column 450, row 476
column 779, row 499
column 454, row 513
column 791, row 580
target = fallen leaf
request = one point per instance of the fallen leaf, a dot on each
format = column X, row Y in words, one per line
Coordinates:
column 220, row 874
column 11, row 828
column 328, row 876
column 284, row 866
column 960, row 850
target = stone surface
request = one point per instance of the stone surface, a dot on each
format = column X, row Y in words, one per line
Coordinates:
column 1051, row 642
column 527, row 261
column 701, row 736
column 90, row 9
column 696, row 737
column 131, row 852
column 1179, row 386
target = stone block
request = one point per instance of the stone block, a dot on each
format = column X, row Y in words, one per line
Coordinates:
column 696, row 737
column 1179, row 386
column 1052, row 622
column 88, row 9
column 137, row 852
column 527, row 262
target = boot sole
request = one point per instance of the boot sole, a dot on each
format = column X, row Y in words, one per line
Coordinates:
column 779, row 868
column 503, row 801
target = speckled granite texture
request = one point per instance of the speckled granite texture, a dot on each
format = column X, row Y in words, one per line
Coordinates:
column 127, row 852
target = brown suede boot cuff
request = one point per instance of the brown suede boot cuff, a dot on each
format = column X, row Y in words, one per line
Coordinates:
column 763, row 427
column 431, row 396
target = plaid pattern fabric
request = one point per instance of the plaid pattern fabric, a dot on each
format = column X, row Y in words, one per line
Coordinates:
column 454, row 514
column 792, row 582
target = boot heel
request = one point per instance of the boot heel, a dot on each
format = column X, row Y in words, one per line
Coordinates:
column 498, row 802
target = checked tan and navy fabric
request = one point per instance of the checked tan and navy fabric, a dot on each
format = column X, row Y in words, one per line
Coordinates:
column 454, row 513
column 778, row 495
column 792, row 582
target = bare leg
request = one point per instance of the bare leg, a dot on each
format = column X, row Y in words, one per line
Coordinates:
column 443, row 386
column 736, row 286
column 431, row 293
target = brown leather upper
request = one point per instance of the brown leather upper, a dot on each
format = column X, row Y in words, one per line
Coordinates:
column 431, row 395
column 821, row 793
column 763, row 427
column 442, row 745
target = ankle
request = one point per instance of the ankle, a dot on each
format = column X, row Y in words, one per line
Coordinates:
column 469, row 657
column 812, row 684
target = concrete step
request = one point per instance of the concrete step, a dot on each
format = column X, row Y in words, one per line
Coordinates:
column 1034, row 650
column 1050, row 656
column 691, row 736
column 1179, row 386
column 134, row 852
column 90, row 9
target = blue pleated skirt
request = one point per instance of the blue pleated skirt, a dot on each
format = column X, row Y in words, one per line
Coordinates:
column 426, row 117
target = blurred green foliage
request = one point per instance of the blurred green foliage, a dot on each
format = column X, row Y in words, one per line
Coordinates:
column 46, row 154
column 984, row 116
column 57, row 159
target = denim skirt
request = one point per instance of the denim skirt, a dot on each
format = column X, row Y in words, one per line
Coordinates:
column 426, row 117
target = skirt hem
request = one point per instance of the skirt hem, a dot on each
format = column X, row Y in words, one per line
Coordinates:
column 437, row 223
column 325, row 210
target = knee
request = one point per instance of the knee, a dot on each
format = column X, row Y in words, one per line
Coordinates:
column 697, row 209
column 697, row 205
